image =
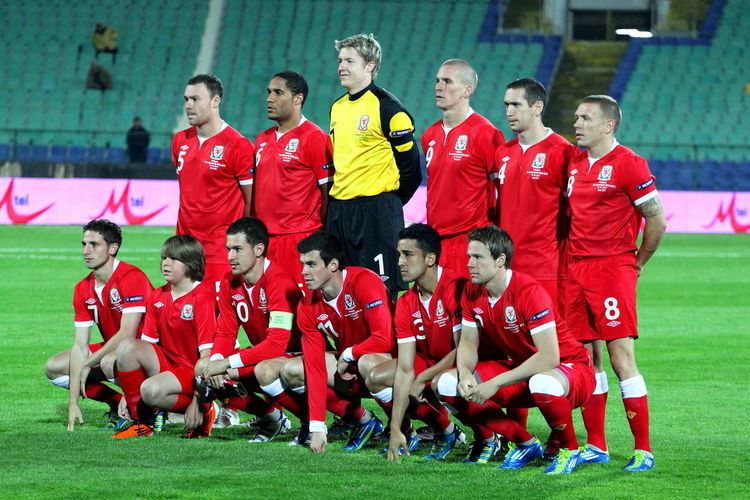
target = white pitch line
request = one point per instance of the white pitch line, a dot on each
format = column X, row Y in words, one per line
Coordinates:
column 73, row 251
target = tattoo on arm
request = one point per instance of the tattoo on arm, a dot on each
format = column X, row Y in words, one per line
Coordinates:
column 651, row 208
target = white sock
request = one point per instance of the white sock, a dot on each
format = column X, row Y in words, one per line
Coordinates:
column 274, row 388
column 634, row 387
column 366, row 417
column 385, row 396
column 61, row 381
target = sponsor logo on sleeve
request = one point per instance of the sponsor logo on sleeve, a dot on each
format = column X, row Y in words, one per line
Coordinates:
column 187, row 312
column 134, row 298
column 374, row 303
column 400, row 133
column 641, row 187
column 540, row 315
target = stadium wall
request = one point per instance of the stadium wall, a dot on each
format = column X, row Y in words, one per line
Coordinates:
column 26, row 200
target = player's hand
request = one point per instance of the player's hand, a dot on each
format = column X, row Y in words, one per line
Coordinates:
column 318, row 442
column 417, row 388
column 122, row 409
column 482, row 392
column 396, row 442
column 85, row 370
column 465, row 385
column 200, row 366
column 193, row 415
column 216, row 367
column 107, row 365
column 74, row 413
column 343, row 368
column 216, row 381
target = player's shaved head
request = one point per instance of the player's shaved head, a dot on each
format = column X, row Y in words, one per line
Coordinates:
column 465, row 71
column 496, row 240
column 111, row 232
column 532, row 89
column 187, row 250
column 366, row 46
column 609, row 107
column 254, row 230
column 427, row 239
column 327, row 244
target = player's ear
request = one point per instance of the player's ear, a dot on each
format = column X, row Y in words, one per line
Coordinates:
column 333, row 266
column 215, row 101
column 500, row 260
column 259, row 249
column 370, row 66
column 113, row 248
column 430, row 259
column 538, row 107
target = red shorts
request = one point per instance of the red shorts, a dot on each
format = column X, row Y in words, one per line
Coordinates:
column 184, row 373
column 580, row 377
column 599, row 297
column 95, row 347
column 421, row 364
column 282, row 249
column 453, row 254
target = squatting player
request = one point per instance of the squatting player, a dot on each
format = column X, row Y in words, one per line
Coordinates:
column 348, row 308
column 459, row 153
column 610, row 190
column 293, row 170
column 215, row 172
column 376, row 162
column 113, row 296
column 156, row 371
column 261, row 297
column 545, row 367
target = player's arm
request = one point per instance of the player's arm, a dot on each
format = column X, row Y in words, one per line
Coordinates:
column 78, row 352
column 444, row 364
column 319, row 155
column 379, row 324
column 128, row 330
column 486, row 148
column 402, row 382
column 243, row 165
column 324, row 189
column 316, row 377
column 653, row 231
column 466, row 356
column 225, row 336
column 544, row 359
column 398, row 129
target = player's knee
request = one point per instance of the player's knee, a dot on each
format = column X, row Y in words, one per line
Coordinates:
column 379, row 378
column 151, row 392
column 446, row 384
column 293, row 373
column 126, row 350
column 52, row 368
column 266, row 372
column 541, row 383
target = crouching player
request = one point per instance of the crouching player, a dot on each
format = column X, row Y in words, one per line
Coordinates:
column 261, row 297
column 350, row 309
column 113, row 296
column 157, row 370
column 546, row 366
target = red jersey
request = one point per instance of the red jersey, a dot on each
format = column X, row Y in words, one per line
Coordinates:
column 523, row 310
column 359, row 318
column 603, row 198
column 531, row 202
column 431, row 324
column 127, row 291
column 288, row 172
column 459, row 164
column 266, row 313
column 182, row 327
column 208, row 175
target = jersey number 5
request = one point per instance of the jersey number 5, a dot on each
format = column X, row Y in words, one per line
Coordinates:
column 181, row 161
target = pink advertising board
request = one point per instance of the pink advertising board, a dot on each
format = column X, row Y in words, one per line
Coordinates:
column 26, row 200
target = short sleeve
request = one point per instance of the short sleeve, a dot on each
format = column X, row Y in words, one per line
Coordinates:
column 638, row 181
column 150, row 331
column 537, row 309
column 83, row 317
column 205, row 319
column 135, row 289
column 243, row 161
column 319, row 156
column 487, row 143
column 467, row 312
column 406, row 321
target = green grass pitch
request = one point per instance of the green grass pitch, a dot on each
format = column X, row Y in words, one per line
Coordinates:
column 694, row 351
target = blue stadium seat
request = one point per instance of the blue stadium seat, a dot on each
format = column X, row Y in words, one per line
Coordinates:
column 22, row 152
column 58, row 154
column 96, row 154
column 39, row 153
column 154, row 156
column 77, row 154
column 117, row 155
column 4, row 152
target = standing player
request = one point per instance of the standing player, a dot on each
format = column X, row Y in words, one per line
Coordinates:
column 261, row 297
column 293, row 168
column 531, row 179
column 156, row 371
column 376, row 161
column 610, row 190
column 459, row 151
column 348, row 308
column 546, row 367
column 215, row 172
column 113, row 296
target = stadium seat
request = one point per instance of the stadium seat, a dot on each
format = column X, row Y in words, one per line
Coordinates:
column 96, row 154
column 39, row 153
column 77, row 154
column 58, row 154
column 4, row 152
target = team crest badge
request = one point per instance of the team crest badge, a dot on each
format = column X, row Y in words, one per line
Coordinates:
column 217, row 153
column 348, row 302
column 364, row 121
column 439, row 309
column 605, row 173
column 114, row 296
column 262, row 297
column 510, row 314
column 292, row 145
column 462, row 142
column 187, row 312
column 539, row 161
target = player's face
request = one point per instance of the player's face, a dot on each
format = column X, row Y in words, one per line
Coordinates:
column 519, row 113
column 449, row 91
column 590, row 126
column 280, row 100
column 241, row 254
column 411, row 260
column 314, row 271
column 173, row 270
column 199, row 105
column 96, row 252
column 482, row 267
column 354, row 72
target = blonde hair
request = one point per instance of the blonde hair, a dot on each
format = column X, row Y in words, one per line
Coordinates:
column 366, row 46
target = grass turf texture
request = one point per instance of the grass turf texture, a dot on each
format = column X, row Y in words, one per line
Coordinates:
column 694, row 352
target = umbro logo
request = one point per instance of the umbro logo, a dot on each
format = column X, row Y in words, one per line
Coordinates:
column 91, row 301
column 322, row 317
column 184, row 147
column 505, row 158
column 431, row 143
column 417, row 314
column 159, row 304
column 237, row 296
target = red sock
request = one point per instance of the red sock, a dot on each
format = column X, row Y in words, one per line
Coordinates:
column 351, row 410
column 101, row 392
column 559, row 416
column 131, row 385
column 435, row 417
column 182, row 403
column 252, row 403
column 490, row 416
column 519, row 415
column 636, row 410
column 593, row 413
column 481, row 432
column 294, row 402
